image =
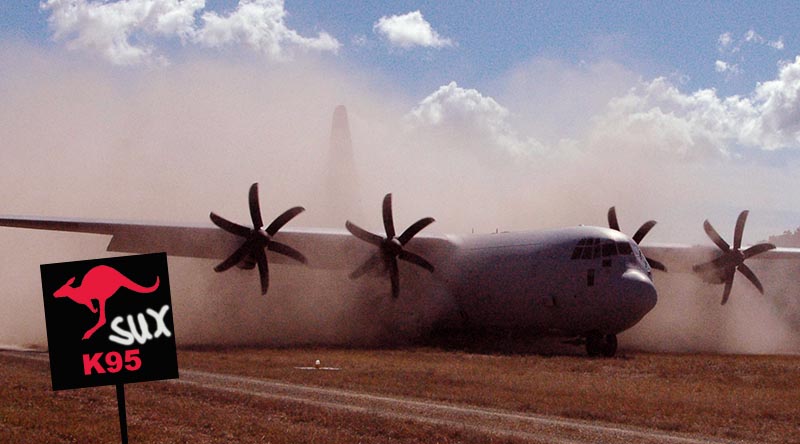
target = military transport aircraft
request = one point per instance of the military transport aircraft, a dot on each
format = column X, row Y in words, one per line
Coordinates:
column 583, row 282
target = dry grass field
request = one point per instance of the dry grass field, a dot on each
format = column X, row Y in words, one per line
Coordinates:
column 731, row 398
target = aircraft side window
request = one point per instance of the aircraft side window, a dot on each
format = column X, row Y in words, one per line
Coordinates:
column 598, row 250
column 587, row 253
column 624, row 248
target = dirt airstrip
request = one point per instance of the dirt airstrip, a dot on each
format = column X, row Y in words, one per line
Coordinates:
column 255, row 395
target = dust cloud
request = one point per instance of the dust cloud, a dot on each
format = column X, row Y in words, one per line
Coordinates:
column 171, row 144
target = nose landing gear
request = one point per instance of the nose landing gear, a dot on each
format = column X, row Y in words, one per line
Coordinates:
column 598, row 344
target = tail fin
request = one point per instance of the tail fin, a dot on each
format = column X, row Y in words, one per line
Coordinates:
column 341, row 146
column 342, row 177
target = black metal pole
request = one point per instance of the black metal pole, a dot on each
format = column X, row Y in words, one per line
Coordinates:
column 123, row 419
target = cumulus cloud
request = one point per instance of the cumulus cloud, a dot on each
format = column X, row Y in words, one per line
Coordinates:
column 259, row 24
column 467, row 110
column 778, row 102
column 126, row 32
column 107, row 28
column 702, row 124
column 409, row 30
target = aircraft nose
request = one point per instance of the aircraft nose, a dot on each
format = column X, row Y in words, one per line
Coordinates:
column 641, row 291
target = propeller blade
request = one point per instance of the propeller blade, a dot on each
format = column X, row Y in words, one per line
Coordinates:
column 394, row 274
column 263, row 270
column 739, row 231
column 656, row 265
column 255, row 207
column 643, row 230
column 229, row 226
column 748, row 273
column 235, row 258
column 256, row 240
column 413, row 230
column 287, row 251
column 283, row 219
column 727, row 291
column 715, row 237
column 390, row 248
column 757, row 249
column 388, row 220
column 416, row 260
column 612, row 219
column 369, row 265
column 363, row 234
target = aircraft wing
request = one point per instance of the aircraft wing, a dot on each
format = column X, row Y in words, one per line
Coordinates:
column 681, row 258
column 331, row 249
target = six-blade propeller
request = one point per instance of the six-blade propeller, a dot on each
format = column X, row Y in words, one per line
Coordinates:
column 732, row 260
column 258, row 239
column 391, row 247
column 637, row 237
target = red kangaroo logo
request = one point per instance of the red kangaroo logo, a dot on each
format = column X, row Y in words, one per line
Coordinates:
column 100, row 283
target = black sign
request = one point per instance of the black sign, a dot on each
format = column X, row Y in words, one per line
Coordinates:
column 109, row 321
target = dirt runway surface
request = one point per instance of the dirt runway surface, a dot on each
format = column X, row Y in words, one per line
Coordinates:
column 220, row 375
column 531, row 428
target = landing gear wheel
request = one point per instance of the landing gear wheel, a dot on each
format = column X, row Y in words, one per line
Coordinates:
column 594, row 342
column 609, row 347
column 600, row 345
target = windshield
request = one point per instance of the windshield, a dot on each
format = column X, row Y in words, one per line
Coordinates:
column 640, row 257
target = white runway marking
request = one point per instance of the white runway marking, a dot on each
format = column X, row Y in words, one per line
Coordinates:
column 530, row 427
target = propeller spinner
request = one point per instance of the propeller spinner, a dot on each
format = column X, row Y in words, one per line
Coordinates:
column 724, row 268
column 391, row 247
column 258, row 239
column 637, row 237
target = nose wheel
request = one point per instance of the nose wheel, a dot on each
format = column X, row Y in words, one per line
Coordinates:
column 598, row 344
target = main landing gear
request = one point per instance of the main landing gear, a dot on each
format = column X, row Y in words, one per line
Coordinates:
column 598, row 344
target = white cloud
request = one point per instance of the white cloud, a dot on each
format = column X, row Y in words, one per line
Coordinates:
column 725, row 67
column 468, row 113
column 106, row 28
column 727, row 44
column 410, row 30
column 733, row 49
column 259, row 24
column 752, row 36
column 778, row 102
column 655, row 115
column 724, row 40
column 776, row 44
column 126, row 32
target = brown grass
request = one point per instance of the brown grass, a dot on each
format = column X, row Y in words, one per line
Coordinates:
column 753, row 398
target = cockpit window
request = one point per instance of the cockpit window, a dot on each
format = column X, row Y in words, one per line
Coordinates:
column 593, row 248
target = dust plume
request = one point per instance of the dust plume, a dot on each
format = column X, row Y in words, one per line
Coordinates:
column 170, row 144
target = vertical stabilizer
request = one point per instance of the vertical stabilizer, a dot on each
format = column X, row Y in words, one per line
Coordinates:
column 342, row 178
column 341, row 146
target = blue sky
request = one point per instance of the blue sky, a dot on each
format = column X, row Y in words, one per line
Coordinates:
column 679, row 39
column 698, row 102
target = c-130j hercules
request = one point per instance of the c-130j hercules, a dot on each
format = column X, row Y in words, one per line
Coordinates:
column 584, row 283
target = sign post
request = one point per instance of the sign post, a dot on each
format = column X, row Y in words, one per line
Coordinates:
column 109, row 322
column 123, row 418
